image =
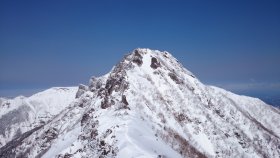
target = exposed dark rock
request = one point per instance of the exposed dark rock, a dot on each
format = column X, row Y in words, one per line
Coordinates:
column 82, row 102
column 108, row 132
column 81, row 90
column 102, row 93
column 162, row 118
column 116, row 81
column 67, row 155
column 138, row 61
column 218, row 111
column 192, row 75
column 137, row 58
column 110, row 84
column 105, row 103
column 85, row 119
column 181, row 145
column 50, row 134
column 227, row 135
column 124, row 100
column 155, row 63
column 94, row 84
column 237, row 134
column 181, row 117
column 175, row 78
column 102, row 143
column 112, row 102
column 94, row 133
column 137, row 53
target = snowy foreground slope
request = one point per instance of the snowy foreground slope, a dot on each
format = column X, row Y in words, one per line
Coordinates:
column 149, row 105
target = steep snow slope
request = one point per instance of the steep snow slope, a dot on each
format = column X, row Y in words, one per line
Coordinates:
column 22, row 114
column 149, row 105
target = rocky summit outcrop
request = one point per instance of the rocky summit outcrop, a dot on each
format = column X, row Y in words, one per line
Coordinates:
column 149, row 105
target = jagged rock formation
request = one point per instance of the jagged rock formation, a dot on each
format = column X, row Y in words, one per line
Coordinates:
column 149, row 105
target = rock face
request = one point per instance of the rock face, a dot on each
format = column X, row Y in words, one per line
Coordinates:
column 149, row 105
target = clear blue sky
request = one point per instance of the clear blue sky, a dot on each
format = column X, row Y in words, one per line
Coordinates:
column 232, row 44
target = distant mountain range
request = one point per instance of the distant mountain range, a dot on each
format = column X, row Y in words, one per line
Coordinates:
column 147, row 106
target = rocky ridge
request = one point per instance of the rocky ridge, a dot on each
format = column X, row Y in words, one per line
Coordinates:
column 149, row 105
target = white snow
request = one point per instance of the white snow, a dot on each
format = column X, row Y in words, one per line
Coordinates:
column 42, row 106
column 166, row 116
column 65, row 143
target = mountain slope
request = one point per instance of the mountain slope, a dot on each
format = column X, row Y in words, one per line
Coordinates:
column 22, row 114
column 149, row 105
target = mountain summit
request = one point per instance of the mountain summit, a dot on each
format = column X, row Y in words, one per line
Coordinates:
column 149, row 105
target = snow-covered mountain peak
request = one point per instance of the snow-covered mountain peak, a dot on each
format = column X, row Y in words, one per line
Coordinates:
column 151, row 57
column 154, row 86
column 149, row 105
column 148, row 60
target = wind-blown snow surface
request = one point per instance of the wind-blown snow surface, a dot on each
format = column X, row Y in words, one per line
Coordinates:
column 149, row 105
column 22, row 114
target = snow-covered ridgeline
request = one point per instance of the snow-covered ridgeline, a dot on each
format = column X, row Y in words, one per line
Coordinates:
column 22, row 114
column 149, row 105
